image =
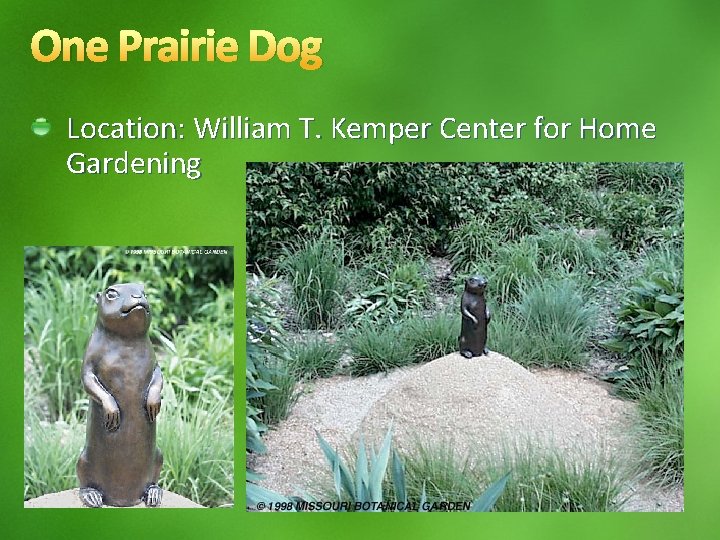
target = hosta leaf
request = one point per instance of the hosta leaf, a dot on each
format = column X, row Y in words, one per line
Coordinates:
column 673, row 300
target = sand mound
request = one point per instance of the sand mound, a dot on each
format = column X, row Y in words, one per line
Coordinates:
column 480, row 402
column 70, row 499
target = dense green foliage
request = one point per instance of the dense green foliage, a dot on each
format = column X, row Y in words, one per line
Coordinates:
column 195, row 353
column 576, row 256
column 650, row 331
column 176, row 283
column 425, row 199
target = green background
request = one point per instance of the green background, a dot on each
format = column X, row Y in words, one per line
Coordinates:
column 401, row 61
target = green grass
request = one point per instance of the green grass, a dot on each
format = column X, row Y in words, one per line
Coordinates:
column 431, row 338
column 51, row 452
column 470, row 242
column 522, row 216
column 558, row 320
column 200, row 353
column 641, row 177
column 549, row 481
column 376, row 348
column 59, row 317
column 442, row 473
column 314, row 268
column 549, row 326
column 505, row 334
column 196, row 439
column 516, row 265
column 540, row 480
column 278, row 400
column 315, row 357
column 565, row 249
column 661, row 433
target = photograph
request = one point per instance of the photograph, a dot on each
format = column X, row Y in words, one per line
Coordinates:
column 458, row 337
column 128, row 377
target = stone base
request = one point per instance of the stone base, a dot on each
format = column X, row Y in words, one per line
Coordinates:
column 70, row 499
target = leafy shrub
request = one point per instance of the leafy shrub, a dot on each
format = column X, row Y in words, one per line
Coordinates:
column 429, row 199
column 470, row 242
column 652, row 317
column 377, row 348
column 431, row 338
column 314, row 267
column 571, row 194
column 392, row 296
column 315, row 358
column 630, row 218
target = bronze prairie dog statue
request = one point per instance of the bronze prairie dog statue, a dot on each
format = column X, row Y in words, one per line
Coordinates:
column 475, row 318
column 120, row 464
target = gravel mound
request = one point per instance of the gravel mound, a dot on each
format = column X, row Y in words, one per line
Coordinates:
column 487, row 401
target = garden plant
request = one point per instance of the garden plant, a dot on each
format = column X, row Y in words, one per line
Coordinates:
column 584, row 264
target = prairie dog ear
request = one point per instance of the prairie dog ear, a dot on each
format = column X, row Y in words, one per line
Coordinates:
column 98, row 296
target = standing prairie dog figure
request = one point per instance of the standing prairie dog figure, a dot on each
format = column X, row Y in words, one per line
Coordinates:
column 120, row 464
column 475, row 318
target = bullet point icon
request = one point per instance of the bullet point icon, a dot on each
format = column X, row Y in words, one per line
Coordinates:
column 41, row 127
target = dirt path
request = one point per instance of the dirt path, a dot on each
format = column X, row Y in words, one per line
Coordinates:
column 467, row 401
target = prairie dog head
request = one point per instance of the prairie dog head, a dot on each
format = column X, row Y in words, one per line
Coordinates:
column 476, row 285
column 123, row 309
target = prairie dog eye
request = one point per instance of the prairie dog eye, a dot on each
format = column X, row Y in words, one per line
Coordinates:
column 111, row 294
